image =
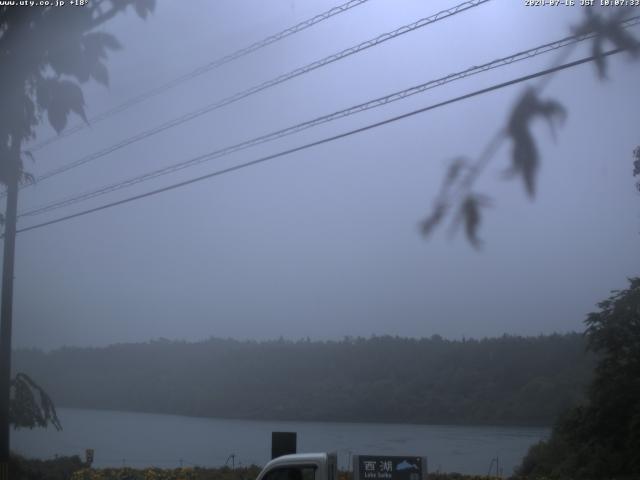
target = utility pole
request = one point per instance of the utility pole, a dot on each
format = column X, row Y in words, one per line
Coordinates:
column 6, row 307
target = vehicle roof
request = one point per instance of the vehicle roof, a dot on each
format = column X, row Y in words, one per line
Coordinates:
column 298, row 458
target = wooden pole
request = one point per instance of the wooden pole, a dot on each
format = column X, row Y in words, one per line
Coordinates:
column 6, row 312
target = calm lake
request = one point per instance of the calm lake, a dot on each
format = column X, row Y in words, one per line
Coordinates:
column 140, row 439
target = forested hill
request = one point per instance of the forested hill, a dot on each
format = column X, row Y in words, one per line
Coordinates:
column 506, row 380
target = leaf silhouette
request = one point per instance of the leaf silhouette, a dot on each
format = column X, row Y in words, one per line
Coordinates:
column 108, row 40
column 622, row 39
column 81, row 55
column 57, row 117
column 59, row 98
column 433, row 220
column 30, row 114
column 100, row 74
column 470, row 214
column 40, row 77
column 30, row 155
column 25, row 410
column 71, row 93
column 96, row 44
column 599, row 60
column 144, row 7
column 43, row 94
column 28, row 178
column 636, row 165
column 525, row 157
column 68, row 57
column 609, row 29
column 441, row 206
column 455, row 168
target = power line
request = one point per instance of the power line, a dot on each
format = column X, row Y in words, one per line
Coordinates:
column 204, row 69
column 326, row 140
column 474, row 70
column 270, row 83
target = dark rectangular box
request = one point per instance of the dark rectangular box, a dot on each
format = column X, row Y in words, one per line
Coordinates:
column 283, row 443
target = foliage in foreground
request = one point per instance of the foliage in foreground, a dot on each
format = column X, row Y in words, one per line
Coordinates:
column 601, row 439
column 189, row 473
column 72, row 468
column 30, row 406
column 224, row 473
column 61, row 468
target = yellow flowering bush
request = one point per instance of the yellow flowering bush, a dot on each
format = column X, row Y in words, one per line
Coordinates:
column 198, row 473
column 186, row 473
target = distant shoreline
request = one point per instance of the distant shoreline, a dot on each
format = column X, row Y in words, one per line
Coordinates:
column 298, row 421
column 504, row 381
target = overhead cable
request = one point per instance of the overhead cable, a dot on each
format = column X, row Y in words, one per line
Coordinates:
column 377, row 102
column 324, row 140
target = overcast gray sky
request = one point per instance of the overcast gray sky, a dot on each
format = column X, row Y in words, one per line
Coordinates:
column 325, row 243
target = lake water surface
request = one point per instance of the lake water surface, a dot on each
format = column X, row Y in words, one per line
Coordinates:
column 142, row 439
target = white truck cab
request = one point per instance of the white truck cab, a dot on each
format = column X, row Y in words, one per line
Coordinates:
column 301, row 466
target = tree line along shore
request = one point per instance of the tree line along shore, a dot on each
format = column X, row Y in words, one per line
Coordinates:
column 509, row 380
